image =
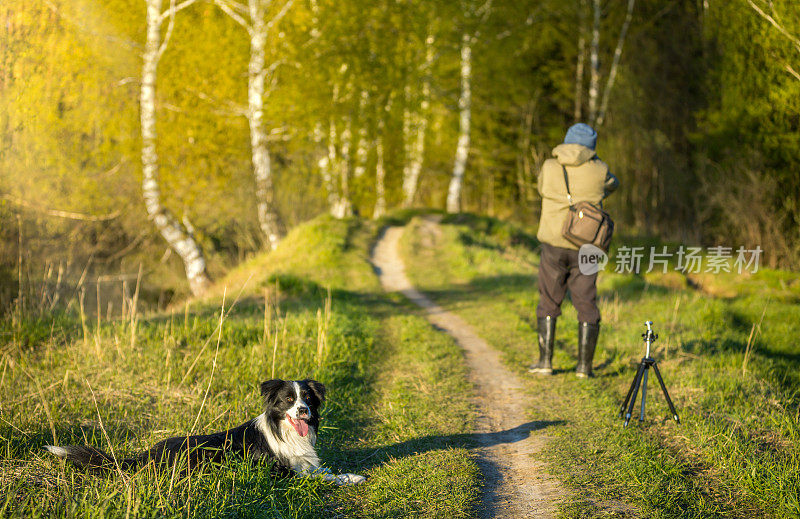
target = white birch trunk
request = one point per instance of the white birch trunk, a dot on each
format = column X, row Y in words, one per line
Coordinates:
column 362, row 152
column 407, row 125
column 344, row 207
column 338, row 163
column 420, row 126
column 328, row 166
column 380, row 178
column 772, row 20
column 175, row 234
column 612, row 73
column 464, row 106
column 268, row 217
column 325, row 173
column 594, row 81
column 581, row 65
column 258, row 27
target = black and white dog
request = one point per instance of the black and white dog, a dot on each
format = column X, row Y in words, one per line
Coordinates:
column 285, row 434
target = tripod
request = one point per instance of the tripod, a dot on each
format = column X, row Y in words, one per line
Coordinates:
column 641, row 379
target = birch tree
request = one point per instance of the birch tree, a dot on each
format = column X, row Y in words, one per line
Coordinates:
column 771, row 18
column 345, row 205
column 179, row 235
column 328, row 167
column 465, row 114
column 380, row 169
column 597, row 106
column 329, row 163
column 253, row 18
column 474, row 18
column 612, row 73
column 580, row 65
column 380, row 176
column 335, row 166
column 414, row 132
column 362, row 151
column 325, row 165
column 594, row 61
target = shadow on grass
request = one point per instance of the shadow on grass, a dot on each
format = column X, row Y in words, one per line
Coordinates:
column 778, row 366
column 365, row 459
column 506, row 284
column 632, row 288
column 628, row 289
column 508, row 234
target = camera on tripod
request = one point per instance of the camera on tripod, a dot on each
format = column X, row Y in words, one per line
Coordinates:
column 640, row 380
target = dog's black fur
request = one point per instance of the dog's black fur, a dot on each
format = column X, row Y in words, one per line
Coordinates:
column 248, row 440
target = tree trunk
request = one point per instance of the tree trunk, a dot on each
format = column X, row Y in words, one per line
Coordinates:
column 179, row 238
column 464, row 106
column 345, row 206
column 362, row 152
column 419, row 125
column 268, row 217
column 328, row 165
column 407, row 138
column 594, row 81
column 580, row 66
column 612, row 73
column 380, row 177
column 525, row 169
column 325, row 164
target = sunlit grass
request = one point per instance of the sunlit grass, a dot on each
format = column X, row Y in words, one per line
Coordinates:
column 130, row 382
column 737, row 451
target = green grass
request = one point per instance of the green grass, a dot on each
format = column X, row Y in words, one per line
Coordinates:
column 737, row 452
column 129, row 383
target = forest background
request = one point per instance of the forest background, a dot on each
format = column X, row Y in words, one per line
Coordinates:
column 180, row 138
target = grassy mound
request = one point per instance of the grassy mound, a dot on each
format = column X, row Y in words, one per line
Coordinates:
column 312, row 308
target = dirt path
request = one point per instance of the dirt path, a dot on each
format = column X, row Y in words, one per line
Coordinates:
column 516, row 483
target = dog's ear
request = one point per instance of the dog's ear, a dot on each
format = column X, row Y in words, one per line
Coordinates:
column 270, row 387
column 318, row 389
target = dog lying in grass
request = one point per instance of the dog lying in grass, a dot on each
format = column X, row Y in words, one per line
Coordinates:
column 284, row 434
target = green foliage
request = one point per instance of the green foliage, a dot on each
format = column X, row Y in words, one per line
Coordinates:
column 749, row 133
column 703, row 116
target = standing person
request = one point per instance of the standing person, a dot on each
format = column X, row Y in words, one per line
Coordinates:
column 590, row 181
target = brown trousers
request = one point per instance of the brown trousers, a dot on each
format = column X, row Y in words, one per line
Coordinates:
column 558, row 271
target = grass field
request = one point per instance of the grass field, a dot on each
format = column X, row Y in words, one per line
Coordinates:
column 313, row 308
column 126, row 383
column 737, row 451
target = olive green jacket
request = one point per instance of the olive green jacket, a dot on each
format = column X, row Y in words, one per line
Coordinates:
column 589, row 181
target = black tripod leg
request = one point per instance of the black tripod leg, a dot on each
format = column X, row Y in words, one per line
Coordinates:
column 666, row 394
column 644, row 393
column 636, row 382
column 630, row 392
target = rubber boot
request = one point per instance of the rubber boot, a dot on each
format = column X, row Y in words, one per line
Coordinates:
column 547, row 338
column 587, row 340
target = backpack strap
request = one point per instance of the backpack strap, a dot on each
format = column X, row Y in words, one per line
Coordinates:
column 566, row 181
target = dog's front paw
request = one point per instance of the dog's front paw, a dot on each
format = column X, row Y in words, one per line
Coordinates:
column 349, row 479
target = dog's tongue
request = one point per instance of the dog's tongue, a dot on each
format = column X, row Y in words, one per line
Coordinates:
column 301, row 426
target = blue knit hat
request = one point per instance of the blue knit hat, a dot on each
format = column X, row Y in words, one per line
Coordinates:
column 583, row 134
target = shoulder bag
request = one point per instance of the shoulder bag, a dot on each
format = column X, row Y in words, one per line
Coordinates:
column 586, row 222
